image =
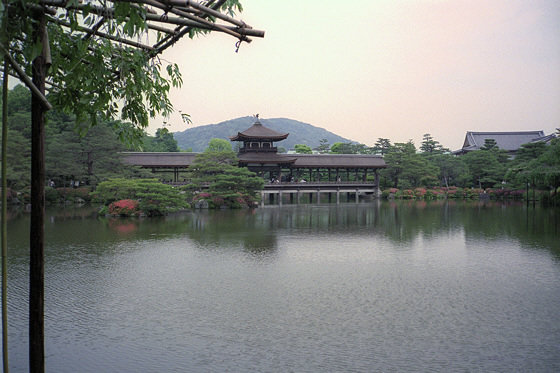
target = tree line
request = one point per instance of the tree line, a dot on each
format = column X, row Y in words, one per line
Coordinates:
column 74, row 151
column 78, row 153
column 432, row 165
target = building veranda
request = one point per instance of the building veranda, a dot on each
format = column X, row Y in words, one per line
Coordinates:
column 291, row 175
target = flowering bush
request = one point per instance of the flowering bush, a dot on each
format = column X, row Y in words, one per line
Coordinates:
column 407, row 193
column 217, row 201
column 124, row 207
column 452, row 193
column 202, row 195
column 419, row 192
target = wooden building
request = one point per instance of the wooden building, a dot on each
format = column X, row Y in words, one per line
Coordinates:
column 259, row 155
column 286, row 174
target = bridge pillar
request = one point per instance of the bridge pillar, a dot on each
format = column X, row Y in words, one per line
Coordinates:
column 318, row 197
column 298, row 196
column 338, row 196
column 280, row 197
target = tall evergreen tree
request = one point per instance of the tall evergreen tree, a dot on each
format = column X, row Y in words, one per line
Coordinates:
column 163, row 141
column 430, row 146
column 382, row 146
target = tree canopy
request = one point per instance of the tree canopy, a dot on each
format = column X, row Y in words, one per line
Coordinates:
column 303, row 149
column 98, row 52
column 163, row 141
column 219, row 145
column 95, row 59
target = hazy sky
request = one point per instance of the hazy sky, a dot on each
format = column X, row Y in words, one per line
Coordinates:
column 396, row 69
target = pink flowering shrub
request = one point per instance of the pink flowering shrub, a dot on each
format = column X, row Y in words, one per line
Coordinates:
column 407, row 194
column 217, row 201
column 419, row 192
column 452, row 193
column 124, row 207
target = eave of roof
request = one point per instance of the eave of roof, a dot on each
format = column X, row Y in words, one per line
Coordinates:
column 162, row 160
column 255, row 157
column 340, row 160
column 259, row 132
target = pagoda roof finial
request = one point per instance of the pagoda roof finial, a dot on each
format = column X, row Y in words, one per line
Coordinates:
column 259, row 131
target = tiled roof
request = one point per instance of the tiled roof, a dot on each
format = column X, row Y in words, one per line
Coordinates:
column 254, row 157
column 510, row 141
column 145, row 159
column 258, row 131
column 166, row 160
column 340, row 160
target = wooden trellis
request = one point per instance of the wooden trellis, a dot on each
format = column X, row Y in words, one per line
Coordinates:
column 166, row 21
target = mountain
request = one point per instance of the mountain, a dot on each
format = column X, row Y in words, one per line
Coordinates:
column 197, row 138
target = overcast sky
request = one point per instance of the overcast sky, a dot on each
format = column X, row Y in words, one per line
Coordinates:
column 395, row 69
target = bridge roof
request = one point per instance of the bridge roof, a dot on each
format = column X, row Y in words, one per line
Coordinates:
column 340, row 160
column 255, row 157
column 167, row 160
column 145, row 159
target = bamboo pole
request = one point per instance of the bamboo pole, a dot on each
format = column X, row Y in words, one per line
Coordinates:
column 28, row 82
column 205, row 25
column 4, row 218
column 91, row 32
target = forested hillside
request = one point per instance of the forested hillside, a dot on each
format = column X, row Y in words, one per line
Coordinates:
column 197, row 138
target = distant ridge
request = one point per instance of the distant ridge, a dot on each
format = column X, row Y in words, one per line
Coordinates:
column 197, row 138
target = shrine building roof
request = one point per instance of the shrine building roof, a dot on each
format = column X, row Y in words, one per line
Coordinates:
column 258, row 131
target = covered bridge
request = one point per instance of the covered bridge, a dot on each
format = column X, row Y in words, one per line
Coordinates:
column 259, row 155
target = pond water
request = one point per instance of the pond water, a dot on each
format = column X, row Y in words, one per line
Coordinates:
column 386, row 286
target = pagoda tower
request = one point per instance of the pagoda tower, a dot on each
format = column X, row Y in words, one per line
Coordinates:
column 258, row 152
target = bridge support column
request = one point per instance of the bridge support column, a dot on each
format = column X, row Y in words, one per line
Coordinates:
column 280, row 197
column 377, row 191
column 318, row 197
column 357, row 195
column 298, row 196
column 338, row 196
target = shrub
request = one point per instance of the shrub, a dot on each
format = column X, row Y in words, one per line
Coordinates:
column 154, row 197
column 407, row 194
column 419, row 192
column 125, row 207
column 51, row 195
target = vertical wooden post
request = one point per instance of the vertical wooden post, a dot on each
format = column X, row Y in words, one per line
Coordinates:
column 37, row 231
column 4, row 218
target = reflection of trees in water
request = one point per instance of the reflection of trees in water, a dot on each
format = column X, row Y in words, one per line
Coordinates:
column 491, row 220
column 404, row 221
column 255, row 231
column 230, row 229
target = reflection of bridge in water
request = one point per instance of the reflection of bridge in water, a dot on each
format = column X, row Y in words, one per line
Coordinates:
column 317, row 192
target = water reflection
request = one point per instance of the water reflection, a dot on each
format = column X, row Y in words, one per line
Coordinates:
column 231, row 229
column 386, row 286
column 256, row 230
